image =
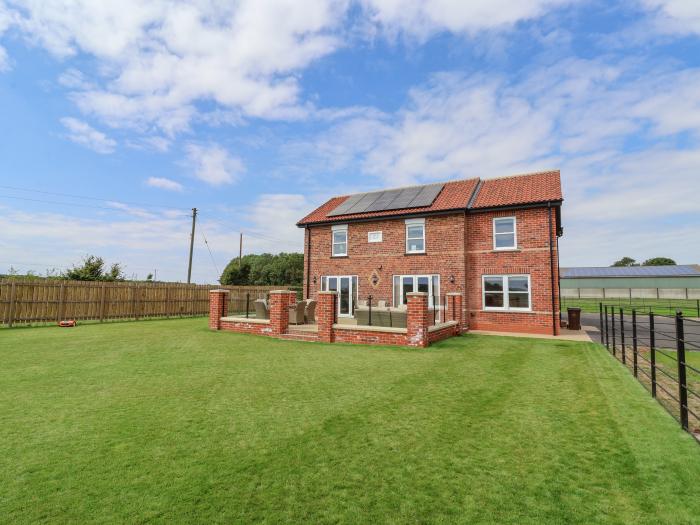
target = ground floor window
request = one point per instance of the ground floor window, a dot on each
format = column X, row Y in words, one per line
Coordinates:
column 506, row 292
column 346, row 286
column 405, row 284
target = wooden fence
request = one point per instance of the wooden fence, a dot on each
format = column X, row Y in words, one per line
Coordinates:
column 27, row 302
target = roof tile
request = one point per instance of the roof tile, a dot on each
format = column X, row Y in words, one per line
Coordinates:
column 456, row 195
column 519, row 189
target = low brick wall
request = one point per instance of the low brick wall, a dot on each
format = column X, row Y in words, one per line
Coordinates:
column 443, row 331
column 246, row 326
column 369, row 335
column 518, row 322
column 416, row 334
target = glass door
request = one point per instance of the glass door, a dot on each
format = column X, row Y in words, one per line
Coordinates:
column 346, row 286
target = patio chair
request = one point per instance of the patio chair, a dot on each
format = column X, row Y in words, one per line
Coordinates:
column 310, row 312
column 262, row 311
column 296, row 313
column 381, row 304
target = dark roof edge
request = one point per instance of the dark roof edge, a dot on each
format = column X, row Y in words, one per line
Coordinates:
column 340, row 220
column 538, row 204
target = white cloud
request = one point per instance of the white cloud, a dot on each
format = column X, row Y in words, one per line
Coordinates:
column 164, row 184
column 82, row 133
column 676, row 16
column 213, row 164
column 421, row 18
column 157, row 60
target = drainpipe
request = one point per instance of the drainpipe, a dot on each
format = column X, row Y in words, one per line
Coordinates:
column 308, row 261
column 551, row 270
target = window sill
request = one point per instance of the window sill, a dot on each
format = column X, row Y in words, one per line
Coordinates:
column 340, row 256
column 507, row 310
column 498, row 250
column 415, row 253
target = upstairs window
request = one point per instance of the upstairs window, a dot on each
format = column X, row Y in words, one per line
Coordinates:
column 340, row 240
column 415, row 235
column 504, row 234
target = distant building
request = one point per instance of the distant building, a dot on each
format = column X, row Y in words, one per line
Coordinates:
column 641, row 282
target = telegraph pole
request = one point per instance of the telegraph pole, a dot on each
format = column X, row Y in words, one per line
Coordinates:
column 189, row 267
column 240, row 251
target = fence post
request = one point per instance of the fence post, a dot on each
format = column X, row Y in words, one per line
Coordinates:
column 61, row 297
column 247, row 304
column 652, row 352
column 682, row 383
column 612, row 321
column 102, row 302
column 11, row 308
column 369, row 305
column 698, row 306
column 634, row 341
column 607, row 332
column 622, row 335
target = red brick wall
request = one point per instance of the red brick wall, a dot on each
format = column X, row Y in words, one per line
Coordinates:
column 444, row 255
column 532, row 257
column 443, row 333
column 369, row 337
column 247, row 327
column 218, row 307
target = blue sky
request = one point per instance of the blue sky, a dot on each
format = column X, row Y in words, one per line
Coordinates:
column 256, row 112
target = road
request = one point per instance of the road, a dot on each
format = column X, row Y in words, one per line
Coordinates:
column 664, row 327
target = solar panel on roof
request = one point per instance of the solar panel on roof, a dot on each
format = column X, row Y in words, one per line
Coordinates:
column 384, row 201
column 405, row 197
column 365, row 202
column 426, row 196
column 414, row 197
column 346, row 205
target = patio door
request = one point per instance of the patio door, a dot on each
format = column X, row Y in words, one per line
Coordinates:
column 346, row 286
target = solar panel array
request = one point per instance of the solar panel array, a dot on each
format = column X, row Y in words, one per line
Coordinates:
column 414, row 197
column 632, row 271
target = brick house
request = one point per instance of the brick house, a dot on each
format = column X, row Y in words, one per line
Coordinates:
column 494, row 242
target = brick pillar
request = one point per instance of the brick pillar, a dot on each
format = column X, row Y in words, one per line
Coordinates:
column 279, row 310
column 417, row 321
column 455, row 299
column 325, row 315
column 218, row 307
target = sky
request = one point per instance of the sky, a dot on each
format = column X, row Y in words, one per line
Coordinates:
column 117, row 118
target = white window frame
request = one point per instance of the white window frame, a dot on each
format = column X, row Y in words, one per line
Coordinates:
column 506, row 302
column 415, row 222
column 374, row 236
column 515, row 234
column 415, row 278
column 339, row 228
column 353, row 291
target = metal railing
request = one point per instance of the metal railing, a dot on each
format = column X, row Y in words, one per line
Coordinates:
column 656, row 349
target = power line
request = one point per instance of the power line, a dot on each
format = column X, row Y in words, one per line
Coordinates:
column 89, row 198
column 71, row 204
column 211, row 255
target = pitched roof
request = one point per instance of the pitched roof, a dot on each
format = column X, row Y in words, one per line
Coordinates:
column 460, row 195
column 681, row 270
column 519, row 189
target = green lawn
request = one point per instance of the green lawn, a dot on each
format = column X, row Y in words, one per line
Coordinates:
column 689, row 307
column 165, row 421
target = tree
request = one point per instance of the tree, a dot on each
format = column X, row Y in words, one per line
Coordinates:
column 93, row 269
column 285, row 269
column 659, row 261
column 625, row 261
column 236, row 274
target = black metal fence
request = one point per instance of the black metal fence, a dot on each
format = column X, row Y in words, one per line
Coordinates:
column 661, row 351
